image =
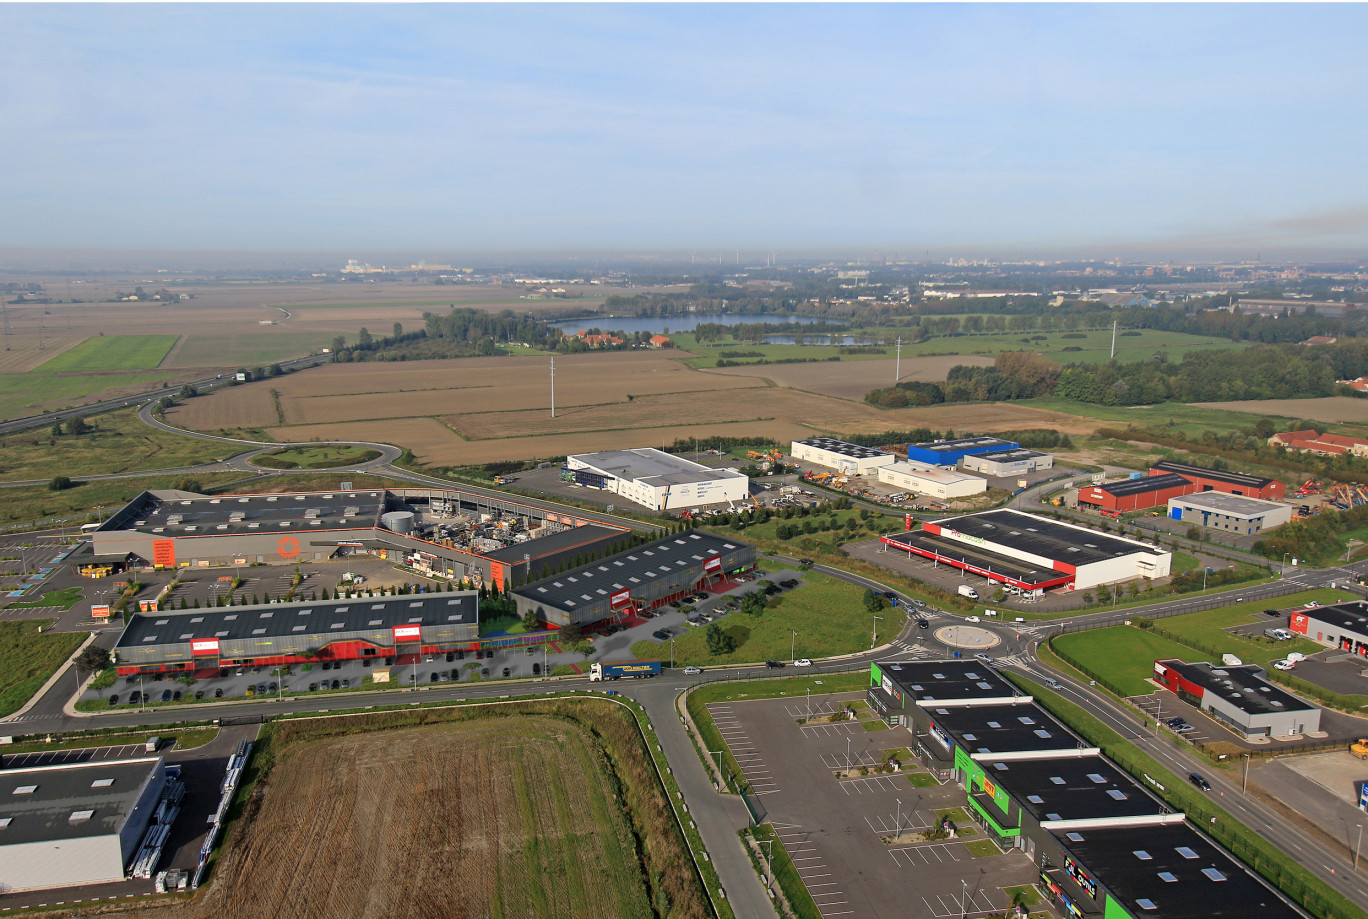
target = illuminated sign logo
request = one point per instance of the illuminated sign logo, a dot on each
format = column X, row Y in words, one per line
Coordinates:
column 204, row 646
column 408, row 632
column 713, row 564
column 989, row 788
column 941, row 737
column 618, row 599
column 1087, row 884
column 100, row 612
column 288, row 547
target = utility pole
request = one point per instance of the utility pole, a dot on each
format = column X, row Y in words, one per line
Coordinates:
column 873, row 638
column 1113, row 351
column 553, row 387
column 897, row 366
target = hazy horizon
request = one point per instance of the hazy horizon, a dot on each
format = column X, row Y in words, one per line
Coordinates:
column 1156, row 131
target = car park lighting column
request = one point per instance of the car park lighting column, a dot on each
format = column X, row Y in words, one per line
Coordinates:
column 793, row 637
column 873, row 638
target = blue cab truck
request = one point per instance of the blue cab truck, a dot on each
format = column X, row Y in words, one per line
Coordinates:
column 616, row 670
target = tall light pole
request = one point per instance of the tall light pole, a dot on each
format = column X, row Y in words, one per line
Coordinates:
column 769, row 861
column 1245, row 786
column 671, row 652
column 718, row 754
column 964, row 888
column 847, row 754
column 1358, row 846
column 897, row 822
column 897, row 366
column 553, row 387
column 793, row 637
column 1284, row 564
column 874, row 637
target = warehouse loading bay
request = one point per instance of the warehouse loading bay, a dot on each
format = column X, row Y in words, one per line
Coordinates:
column 834, row 829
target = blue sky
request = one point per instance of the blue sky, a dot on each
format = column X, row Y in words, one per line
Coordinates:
column 775, row 126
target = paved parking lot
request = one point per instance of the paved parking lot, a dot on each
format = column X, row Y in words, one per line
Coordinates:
column 834, row 829
column 59, row 757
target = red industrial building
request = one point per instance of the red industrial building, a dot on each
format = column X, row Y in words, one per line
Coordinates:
column 1135, row 494
column 1231, row 483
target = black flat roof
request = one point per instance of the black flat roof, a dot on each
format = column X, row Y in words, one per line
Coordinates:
column 1216, row 475
column 1240, row 686
column 987, row 729
column 268, row 620
column 1173, row 872
column 832, row 445
column 1013, row 568
column 1352, row 616
column 1044, row 537
column 40, row 803
column 543, row 546
column 1147, row 484
column 631, row 570
column 947, row 680
column 1009, row 455
column 1072, row 788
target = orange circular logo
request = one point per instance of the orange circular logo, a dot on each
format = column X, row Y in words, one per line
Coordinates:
column 288, row 547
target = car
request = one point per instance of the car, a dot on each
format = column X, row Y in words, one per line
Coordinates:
column 433, row 677
column 917, row 603
column 158, row 677
column 1284, row 665
column 1175, row 722
column 802, row 662
column 218, row 693
column 507, row 673
column 484, row 673
column 324, row 665
column 134, row 697
column 261, row 689
column 983, row 658
column 1272, row 612
column 166, row 695
column 1200, row 782
column 199, row 694
column 805, row 563
column 890, row 595
column 1184, row 728
column 129, row 681
column 446, row 676
column 113, row 700
column 972, row 619
column 273, row 687
column 536, row 669
column 451, row 656
column 923, row 624
column 1053, row 683
column 346, row 684
column 313, row 687
column 692, row 671
column 176, row 696
column 774, row 665
column 336, row 684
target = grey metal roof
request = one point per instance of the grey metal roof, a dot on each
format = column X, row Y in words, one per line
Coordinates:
column 947, row 680
column 296, row 514
column 1216, row 475
column 58, row 792
column 1044, row 537
column 1010, row 455
column 966, row 443
column 1024, row 727
column 300, row 617
column 631, row 570
column 573, row 538
column 840, row 447
column 653, row 467
column 1230, row 505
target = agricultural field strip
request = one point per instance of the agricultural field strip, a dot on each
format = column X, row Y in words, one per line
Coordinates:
column 106, row 354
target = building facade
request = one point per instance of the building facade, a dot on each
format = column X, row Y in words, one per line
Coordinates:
column 1134, row 494
column 1230, row 513
column 1230, row 483
column 1343, row 626
column 657, row 480
column 932, row 481
column 950, row 452
column 1005, row 463
column 852, row 459
column 1238, row 697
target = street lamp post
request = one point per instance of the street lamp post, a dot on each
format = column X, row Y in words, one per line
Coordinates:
column 718, row 754
column 769, row 861
column 874, row 636
column 897, row 822
column 1284, row 564
column 964, row 888
column 793, row 637
column 1245, row 786
column 1358, row 846
column 671, row 652
column 847, row 754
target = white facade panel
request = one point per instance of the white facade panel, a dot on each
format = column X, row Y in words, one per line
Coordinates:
column 61, row 863
column 937, row 483
column 851, row 465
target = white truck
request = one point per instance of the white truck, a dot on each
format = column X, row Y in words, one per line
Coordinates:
column 966, row 591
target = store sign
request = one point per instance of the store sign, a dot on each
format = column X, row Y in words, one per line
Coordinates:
column 989, row 788
column 1087, row 884
column 620, row 598
column 713, row 565
column 164, row 553
column 204, row 646
column 100, row 611
column 408, row 633
column 939, row 734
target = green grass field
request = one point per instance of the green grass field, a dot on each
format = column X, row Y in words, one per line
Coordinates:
column 111, row 352
column 118, row 443
column 1126, row 654
column 1208, row 626
column 827, row 614
column 28, row 658
column 28, row 393
column 322, row 457
column 65, row 598
column 36, row 502
column 249, row 349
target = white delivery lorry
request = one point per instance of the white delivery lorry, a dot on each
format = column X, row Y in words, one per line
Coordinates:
column 966, row 591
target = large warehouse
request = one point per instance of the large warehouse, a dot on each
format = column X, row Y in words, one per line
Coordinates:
column 1238, row 697
column 852, row 459
column 643, row 578
column 1032, row 554
column 1219, row 511
column 448, row 534
column 1343, row 626
column 932, row 481
column 1004, row 463
column 276, row 634
column 75, row 823
column 1104, row 845
column 659, row 481
column 950, row 452
column 1135, row 494
column 1232, row 483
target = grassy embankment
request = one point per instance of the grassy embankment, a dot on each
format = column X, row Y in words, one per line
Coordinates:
column 28, row 658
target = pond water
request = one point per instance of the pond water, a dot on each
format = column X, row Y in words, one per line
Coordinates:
column 682, row 323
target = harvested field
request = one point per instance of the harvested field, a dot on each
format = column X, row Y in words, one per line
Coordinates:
column 23, row 355
column 1329, row 409
column 852, row 379
column 452, row 819
column 435, row 445
column 228, row 409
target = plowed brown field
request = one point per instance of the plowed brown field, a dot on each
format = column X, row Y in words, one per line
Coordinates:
column 852, row 379
column 512, row 816
column 234, row 407
column 1331, row 409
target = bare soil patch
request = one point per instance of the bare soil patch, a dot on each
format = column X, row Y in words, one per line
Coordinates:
column 852, row 379
column 1329, row 409
column 227, row 409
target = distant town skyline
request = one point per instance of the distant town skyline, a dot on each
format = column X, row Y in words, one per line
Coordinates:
column 965, row 129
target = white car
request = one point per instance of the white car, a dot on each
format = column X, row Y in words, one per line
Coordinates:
column 802, row 662
column 1284, row 665
column 971, row 619
column 690, row 671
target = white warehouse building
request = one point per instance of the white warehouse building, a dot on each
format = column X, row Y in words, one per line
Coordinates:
column 932, row 481
column 657, row 480
column 852, row 459
column 77, row 823
column 1003, row 463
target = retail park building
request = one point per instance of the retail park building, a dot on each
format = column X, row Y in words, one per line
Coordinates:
column 1032, row 554
column 657, row 480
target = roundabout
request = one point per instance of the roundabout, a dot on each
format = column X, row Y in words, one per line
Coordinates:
column 967, row 637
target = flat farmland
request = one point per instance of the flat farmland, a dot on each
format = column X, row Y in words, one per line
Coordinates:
column 235, row 407
column 1329, row 409
column 852, row 379
column 514, row 816
column 112, row 352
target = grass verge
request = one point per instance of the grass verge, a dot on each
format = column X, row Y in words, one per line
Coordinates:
column 66, row 598
column 28, row 658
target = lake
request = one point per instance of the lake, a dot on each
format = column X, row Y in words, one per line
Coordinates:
column 685, row 322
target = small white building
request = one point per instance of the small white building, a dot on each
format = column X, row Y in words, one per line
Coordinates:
column 851, row 459
column 1004, row 463
column 659, row 481
column 77, row 823
column 932, row 481
column 1232, row 513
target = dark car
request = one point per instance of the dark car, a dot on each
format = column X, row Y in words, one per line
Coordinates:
column 774, row 665
column 199, row 694
column 176, row 696
column 1272, row 612
column 1174, row 722
column 536, row 669
column 114, row 699
column 923, row 624
column 273, row 686
column 433, row 677
column 451, row 656
column 336, row 684
column 507, row 673
column 313, row 687
column 218, row 693
column 1200, row 782
column 134, row 697
column 805, row 563
column 166, row 695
